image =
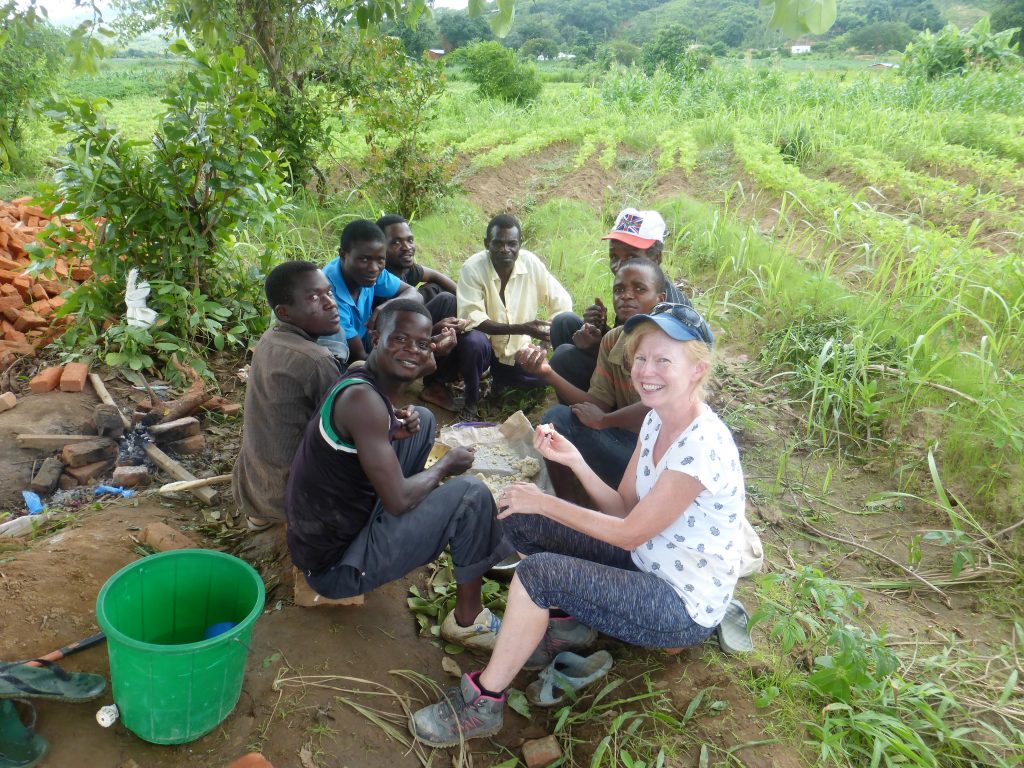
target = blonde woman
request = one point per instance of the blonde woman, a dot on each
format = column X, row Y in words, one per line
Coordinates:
column 655, row 565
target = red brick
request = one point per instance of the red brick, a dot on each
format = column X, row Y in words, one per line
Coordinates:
column 9, row 276
column 60, row 268
column 29, row 321
column 189, row 446
column 24, row 286
column 47, row 477
column 173, row 431
column 52, row 287
column 57, row 302
column 80, row 274
column 6, row 263
column 251, row 760
column 222, row 405
column 11, row 314
column 541, row 752
column 74, row 377
column 16, row 348
column 163, row 538
column 41, row 307
column 67, row 482
column 46, row 380
column 7, row 401
column 130, row 477
column 39, row 293
column 87, row 473
column 88, row 452
column 12, row 334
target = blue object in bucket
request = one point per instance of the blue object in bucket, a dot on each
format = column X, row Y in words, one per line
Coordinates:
column 32, row 502
column 218, row 629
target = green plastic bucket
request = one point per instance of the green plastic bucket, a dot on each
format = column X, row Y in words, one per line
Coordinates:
column 170, row 684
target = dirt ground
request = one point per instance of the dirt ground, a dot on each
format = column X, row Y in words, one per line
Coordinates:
column 48, row 589
column 49, row 584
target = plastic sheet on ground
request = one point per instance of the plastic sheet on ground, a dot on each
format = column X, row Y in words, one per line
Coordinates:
column 499, row 449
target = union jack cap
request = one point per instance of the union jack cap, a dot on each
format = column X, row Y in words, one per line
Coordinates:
column 640, row 229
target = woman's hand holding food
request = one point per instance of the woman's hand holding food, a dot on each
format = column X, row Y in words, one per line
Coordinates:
column 553, row 447
column 522, row 499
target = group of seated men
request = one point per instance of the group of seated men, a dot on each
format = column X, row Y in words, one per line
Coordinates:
column 328, row 445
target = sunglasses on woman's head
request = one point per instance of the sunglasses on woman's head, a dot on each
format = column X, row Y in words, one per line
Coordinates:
column 688, row 316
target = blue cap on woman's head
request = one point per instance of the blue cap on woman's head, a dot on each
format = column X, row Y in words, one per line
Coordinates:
column 681, row 322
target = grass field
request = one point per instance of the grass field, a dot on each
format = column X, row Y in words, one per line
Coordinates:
column 857, row 243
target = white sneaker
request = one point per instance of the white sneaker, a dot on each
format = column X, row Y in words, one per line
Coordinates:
column 479, row 636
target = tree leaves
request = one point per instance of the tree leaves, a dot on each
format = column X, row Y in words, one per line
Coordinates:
column 801, row 17
column 501, row 20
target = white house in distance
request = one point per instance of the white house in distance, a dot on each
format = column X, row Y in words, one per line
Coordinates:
column 796, row 50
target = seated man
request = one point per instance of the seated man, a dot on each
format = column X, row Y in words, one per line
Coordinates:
column 636, row 235
column 500, row 293
column 362, row 510
column 400, row 261
column 358, row 276
column 603, row 421
column 438, row 292
column 289, row 376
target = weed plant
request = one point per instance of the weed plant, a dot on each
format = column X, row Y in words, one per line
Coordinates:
column 874, row 706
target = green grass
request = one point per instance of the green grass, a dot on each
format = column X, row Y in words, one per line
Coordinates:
column 894, row 327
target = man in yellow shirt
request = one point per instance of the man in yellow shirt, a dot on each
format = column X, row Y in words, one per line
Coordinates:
column 501, row 292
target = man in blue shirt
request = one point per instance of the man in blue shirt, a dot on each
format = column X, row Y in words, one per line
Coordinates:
column 358, row 276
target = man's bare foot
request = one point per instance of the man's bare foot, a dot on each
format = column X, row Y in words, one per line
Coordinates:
column 436, row 393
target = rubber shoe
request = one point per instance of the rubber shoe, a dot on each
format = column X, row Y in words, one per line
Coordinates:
column 463, row 713
column 479, row 636
column 563, row 634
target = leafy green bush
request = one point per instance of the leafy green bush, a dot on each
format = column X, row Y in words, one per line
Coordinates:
column 619, row 52
column 668, row 49
column 173, row 208
column 1009, row 15
column 395, row 97
column 952, row 52
column 539, row 46
column 880, row 37
column 30, row 63
column 498, row 74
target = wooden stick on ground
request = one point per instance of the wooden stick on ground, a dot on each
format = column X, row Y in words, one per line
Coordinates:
column 48, row 442
column 890, row 371
column 883, row 556
column 104, row 395
column 178, row 472
column 188, row 485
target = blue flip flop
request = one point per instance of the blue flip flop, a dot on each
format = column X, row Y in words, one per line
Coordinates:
column 568, row 672
column 20, row 745
column 733, row 635
column 20, row 681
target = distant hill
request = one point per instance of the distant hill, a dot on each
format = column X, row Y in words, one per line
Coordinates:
column 962, row 14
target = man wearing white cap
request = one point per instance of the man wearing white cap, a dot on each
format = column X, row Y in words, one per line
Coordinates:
column 636, row 234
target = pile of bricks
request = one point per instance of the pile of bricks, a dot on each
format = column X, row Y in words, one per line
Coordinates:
column 28, row 302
